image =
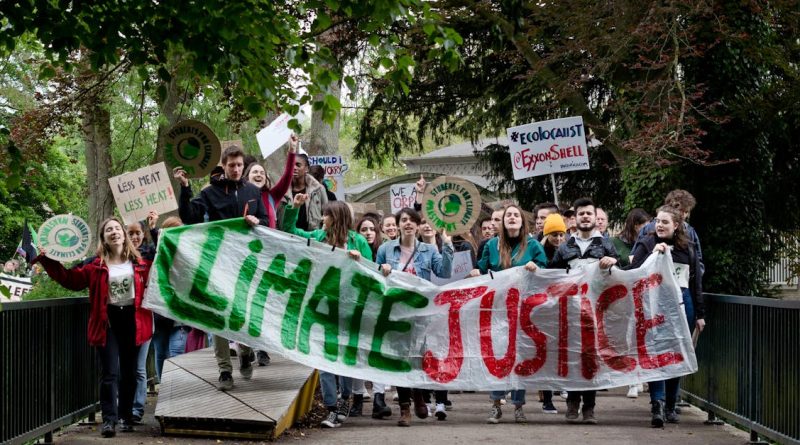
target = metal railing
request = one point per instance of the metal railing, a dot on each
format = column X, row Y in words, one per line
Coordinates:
column 49, row 373
column 749, row 365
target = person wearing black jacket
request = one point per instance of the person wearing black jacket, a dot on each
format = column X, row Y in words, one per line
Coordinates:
column 586, row 246
column 670, row 234
column 227, row 197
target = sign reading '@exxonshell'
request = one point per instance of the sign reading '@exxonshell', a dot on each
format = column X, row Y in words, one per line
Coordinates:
column 65, row 238
column 192, row 145
column 451, row 204
column 553, row 146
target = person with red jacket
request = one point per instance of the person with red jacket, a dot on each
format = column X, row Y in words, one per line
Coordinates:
column 118, row 324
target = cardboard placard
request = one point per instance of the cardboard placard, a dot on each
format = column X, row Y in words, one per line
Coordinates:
column 65, row 238
column 192, row 145
column 451, row 204
column 335, row 168
column 140, row 191
column 553, row 146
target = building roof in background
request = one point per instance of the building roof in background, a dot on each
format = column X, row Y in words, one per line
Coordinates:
column 461, row 150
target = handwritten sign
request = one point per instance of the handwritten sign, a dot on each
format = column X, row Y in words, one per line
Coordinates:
column 274, row 135
column 65, row 238
column 192, row 145
column 553, row 146
column 401, row 196
column 586, row 329
column 17, row 287
column 462, row 265
column 452, row 204
column 140, row 191
column 335, row 168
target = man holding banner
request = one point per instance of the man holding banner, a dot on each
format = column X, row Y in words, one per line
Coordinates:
column 227, row 197
column 587, row 246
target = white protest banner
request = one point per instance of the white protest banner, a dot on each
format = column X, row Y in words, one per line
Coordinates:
column 17, row 287
column 335, row 168
column 140, row 191
column 462, row 265
column 274, row 135
column 586, row 329
column 553, row 146
column 401, row 196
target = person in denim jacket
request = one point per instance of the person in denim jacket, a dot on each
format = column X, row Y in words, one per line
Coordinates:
column 408, row 254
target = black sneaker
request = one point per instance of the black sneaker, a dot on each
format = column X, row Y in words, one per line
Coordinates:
column 657, row 411
column 672, row 416
column 246, row 367
column 126, row 426
column 136, row 419
column 109, row 429
column 343, row 410
column 225, row 381
column 332, row 421
column 549, row 408
column 263, row 358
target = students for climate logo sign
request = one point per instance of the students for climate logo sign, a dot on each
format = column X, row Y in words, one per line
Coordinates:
column 192, row 145
column 65, row 238
column 451, row 204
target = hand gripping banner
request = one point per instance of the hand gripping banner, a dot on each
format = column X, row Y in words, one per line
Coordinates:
column 585, row 329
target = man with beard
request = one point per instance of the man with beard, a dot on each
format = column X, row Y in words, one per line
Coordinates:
column 585, row 247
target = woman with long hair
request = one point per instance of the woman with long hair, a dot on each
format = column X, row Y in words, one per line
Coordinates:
column 271, row 195
column 118, row 324
column 407, row 254
column 670, row 237
column 514, row 246
column 637, row 218
column 370, row 229
column 336, row 231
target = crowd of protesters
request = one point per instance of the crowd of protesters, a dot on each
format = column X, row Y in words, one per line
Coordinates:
column 299, row 203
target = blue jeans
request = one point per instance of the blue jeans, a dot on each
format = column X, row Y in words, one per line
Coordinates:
column 667, row 390
column 168, row 344
column 328, row 383
column 517, row 396
column 140, row 397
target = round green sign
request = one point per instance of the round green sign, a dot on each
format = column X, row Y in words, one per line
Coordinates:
column 192, row 145
column 65, row 238
column 451, row 204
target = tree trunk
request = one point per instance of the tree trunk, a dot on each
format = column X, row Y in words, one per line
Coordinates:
column 323, row 138
column 96, row 131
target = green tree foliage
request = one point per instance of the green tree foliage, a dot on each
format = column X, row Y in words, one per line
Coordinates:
column 686, row 94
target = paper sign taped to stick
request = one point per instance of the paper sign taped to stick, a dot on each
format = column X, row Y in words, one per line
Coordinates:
column 17, row 287
column 274, row 135
column 553, row 146
column 335, row 168
column 452, row 204
column 586, row 329
column 401, row 196
column 461, row 266
column 65, row 238
column 140, row 191
column 190, row 144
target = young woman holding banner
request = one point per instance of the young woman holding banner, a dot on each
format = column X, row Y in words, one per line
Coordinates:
column 336, row 223
column 513, row 246
column 670, row 235
column 118, row 324
column 408, row 254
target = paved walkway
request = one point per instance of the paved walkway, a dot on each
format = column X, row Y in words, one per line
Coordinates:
column 621, row 421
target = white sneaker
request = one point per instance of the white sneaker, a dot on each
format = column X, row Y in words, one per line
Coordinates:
column 633, row 391
column 367, row 396
column 640, row 386
column 440, row 412
column 395, row 398
column 563, row 395
column 502, row 401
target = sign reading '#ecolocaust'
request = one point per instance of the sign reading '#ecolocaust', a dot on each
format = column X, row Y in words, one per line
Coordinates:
column 586, row 329
column 553, row 146
column 65, row 238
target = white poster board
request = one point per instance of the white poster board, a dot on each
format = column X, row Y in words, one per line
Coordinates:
column 17, row 287
column 401, row 196
column 335, row 168
column 274, row 135
column 462, row 264
column 553, row 146
column 140, row 191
